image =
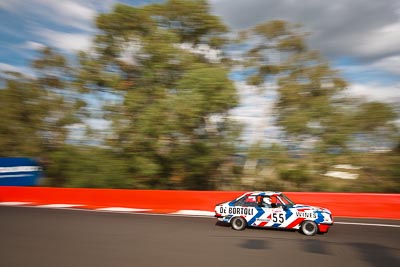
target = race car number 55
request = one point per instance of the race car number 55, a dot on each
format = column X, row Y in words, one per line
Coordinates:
column 278, row 217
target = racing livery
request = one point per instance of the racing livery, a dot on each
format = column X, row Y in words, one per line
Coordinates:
column 273, row 209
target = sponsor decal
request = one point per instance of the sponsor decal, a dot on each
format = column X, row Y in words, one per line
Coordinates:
column 306, row 215
column 263, row 219
column 237, row 210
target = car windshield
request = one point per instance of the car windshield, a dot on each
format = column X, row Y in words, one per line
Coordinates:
column 286, row 201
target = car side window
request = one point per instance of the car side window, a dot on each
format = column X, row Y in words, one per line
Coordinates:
column 250, row 201
column 240, row 201
column 276, row 202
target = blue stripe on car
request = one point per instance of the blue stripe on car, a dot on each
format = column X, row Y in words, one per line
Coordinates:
column 320, row 218
column 258, row 215
column 228, row 218
column 288, row 213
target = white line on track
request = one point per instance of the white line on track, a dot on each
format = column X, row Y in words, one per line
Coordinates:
column 181, row 213
column 14, row 203
column 194, row 213
column 121, row 209
column 369, row 224
column 59, row 206
column 211, row 217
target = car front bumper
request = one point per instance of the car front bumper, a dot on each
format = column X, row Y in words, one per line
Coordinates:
column 324, row 227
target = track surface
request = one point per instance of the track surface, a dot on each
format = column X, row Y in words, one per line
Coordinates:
column 50, row 238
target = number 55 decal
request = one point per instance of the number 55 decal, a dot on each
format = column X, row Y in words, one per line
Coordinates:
column 278, row 217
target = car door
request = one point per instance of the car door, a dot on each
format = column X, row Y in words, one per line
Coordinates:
column 275, row 215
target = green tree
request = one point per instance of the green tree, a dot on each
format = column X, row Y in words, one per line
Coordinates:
column 36, row 111
column 54, row 77
column 22, row 113
column 87, row 166
column 305, row 82
column 160, row 76
column 310, row 104
column 171, row 123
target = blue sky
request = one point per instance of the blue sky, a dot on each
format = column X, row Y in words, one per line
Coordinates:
column 361, row 38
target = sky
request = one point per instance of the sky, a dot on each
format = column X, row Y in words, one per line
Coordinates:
column 361, row 38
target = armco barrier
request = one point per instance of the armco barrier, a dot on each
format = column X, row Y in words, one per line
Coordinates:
column 366, row 205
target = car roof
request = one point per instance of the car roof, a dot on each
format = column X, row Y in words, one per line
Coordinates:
column 262, row 193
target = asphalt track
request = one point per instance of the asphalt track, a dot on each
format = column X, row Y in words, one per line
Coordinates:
column 61, row 238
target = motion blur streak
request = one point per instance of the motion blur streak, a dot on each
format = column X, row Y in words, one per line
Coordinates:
column 48, row 238
column 167, row 201
column 167, row 96
column 369, row 224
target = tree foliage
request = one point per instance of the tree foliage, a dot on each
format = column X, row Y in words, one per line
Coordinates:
column 151, row 75
column 36, row 112
column 312, row 107
column 310, row 104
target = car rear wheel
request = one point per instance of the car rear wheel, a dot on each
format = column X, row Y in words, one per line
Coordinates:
column 309, row 228
column 238, row 223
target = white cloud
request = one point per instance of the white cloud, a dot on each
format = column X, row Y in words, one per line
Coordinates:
column 70, row 13
column 65, row 41
column 8, row 67
column 10, row 5
column 4, row 67
column 390, row 64
column 32, row 45
column 72, row 9
column 366, row 30
column 77, row 14
column 213, row 55
column 385, row 40
column 255, row 111
column 376, row 91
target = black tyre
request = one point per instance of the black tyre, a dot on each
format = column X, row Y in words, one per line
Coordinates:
column 309, row 228
column 238, row 223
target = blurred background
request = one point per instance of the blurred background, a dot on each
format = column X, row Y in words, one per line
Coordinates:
column 203, row 95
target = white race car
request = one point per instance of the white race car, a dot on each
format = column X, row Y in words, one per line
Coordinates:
column 273, row 209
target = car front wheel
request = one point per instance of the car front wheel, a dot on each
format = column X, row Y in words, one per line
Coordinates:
column 238, row 223
column 309, row 228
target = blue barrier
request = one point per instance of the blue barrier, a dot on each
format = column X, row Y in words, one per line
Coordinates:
column 19, row 172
